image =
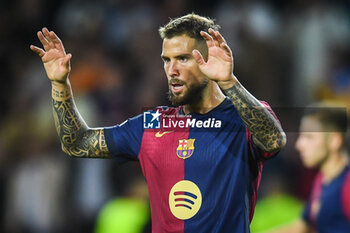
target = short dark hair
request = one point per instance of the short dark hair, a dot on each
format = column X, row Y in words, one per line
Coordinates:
column 332, row 116
column 190, row 25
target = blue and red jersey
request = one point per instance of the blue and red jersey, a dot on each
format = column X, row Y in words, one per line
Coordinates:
column 328, row 208
column 202, row 174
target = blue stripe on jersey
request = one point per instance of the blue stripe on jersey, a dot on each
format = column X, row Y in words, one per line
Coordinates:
column 331, row 217
column 220, row 168
column 124, row 140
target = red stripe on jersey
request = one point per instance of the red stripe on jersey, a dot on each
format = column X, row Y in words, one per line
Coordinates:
column 315, row 198
column 163, row 169
column 254, row 198
column 346, row 196
column 256, row 182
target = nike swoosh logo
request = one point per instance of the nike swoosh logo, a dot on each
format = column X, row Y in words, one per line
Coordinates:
column 160, row 134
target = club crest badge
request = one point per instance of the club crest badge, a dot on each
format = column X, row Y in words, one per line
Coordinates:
column 185, row 148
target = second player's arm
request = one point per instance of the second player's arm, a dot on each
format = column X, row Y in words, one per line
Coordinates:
column 76, row 137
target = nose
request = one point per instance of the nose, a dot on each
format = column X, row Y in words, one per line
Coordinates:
column 173, row 69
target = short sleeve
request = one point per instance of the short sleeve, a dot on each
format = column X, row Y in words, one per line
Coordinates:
column 124, row 140
column 345, row 196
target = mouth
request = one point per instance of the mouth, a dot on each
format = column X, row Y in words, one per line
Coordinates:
column 177, row 88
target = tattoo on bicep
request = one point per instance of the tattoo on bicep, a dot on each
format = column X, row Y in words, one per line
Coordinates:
column 259, row 121
column 76, row 138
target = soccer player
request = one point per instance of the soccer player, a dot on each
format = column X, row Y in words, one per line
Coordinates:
column 202, row 159
column 321, row 144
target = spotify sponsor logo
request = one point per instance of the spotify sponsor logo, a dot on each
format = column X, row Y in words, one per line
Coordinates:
column 185, row 199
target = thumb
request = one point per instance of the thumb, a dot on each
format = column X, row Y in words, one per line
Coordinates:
column 66, row 59
column 198, row 57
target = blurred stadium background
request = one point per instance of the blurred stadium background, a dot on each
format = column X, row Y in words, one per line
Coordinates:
column 288, row 53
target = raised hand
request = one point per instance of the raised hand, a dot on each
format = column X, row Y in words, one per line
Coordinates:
column 53, row 56
column 219, row 66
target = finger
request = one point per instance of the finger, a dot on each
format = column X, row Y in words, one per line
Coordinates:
column 226, row 48
column 198, row 57
column 57, row 41
column 43, row 40
column 37, row 50
column 48, row 37
column 46, row 33
column 213, row 35
column 219, row 37
column 208, row 39
column 66, row 59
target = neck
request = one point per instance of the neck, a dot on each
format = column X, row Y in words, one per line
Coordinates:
column 334, row 166
column 211, row 97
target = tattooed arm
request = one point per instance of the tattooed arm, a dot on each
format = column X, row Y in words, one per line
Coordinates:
column 76, row 137
column 267, row 132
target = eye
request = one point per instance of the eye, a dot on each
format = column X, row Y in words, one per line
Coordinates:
column 165, row 59
column 183, row 59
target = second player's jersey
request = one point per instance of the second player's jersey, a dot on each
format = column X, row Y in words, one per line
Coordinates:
column 202, row 170
column 328, row 208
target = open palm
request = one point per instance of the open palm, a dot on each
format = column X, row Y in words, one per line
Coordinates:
column 219, row 66
column 53, row 56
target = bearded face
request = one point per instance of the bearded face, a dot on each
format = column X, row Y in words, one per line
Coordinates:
column 186, row 81
column 181, row 93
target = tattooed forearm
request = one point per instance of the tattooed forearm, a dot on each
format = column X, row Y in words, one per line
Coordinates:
column 76, row 138
column 60, row 94
column 266, row 131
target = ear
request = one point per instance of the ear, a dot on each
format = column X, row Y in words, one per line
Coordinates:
column 335, row 141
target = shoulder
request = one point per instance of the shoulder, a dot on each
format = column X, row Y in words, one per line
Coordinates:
column 345, row 196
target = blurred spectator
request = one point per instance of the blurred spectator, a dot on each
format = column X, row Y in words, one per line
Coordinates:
column 34, row 200
column 129, row 212
column 314, row 31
